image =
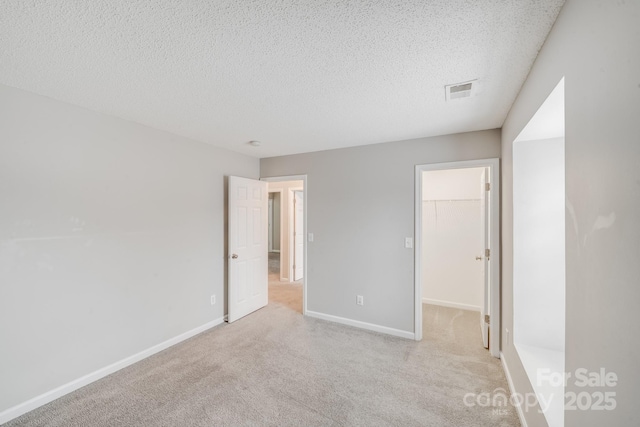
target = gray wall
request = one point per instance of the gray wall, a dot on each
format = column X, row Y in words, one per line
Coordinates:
column 360, row 209
column 111, row 240
column 594, row 44
column 276, row 220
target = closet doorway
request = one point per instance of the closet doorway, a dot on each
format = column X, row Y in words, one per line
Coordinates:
column 457, row 247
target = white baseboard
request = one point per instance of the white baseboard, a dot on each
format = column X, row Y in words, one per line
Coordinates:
column 43, row 399
column 512, row 389
column 450, row 304
column 361, row 325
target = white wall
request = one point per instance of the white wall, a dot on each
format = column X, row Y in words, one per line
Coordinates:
column 593, row 44
column 112, row 239
column 360, row 207
column 538, row 243
column 452, row 236
column 539, row 266
column 452, row 184
column 285, row 214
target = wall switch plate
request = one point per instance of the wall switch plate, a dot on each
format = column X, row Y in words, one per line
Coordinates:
column 310, row 237
column 408, row 242
column 359, row 300
column 213, row 300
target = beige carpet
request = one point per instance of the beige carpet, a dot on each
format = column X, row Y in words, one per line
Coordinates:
column 278, row 368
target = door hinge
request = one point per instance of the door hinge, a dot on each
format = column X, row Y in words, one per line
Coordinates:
column 487, row 186
column 487, row 253
column 486, row 318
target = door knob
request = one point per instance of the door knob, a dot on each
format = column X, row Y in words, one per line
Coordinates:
column 234, row 256
column 478, row 258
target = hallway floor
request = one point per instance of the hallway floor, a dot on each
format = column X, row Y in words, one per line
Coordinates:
column 288, row 294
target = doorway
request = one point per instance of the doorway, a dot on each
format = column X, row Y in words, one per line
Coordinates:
column 453, row 239
column 457, row 246
column 287, row 224
column 275, row 233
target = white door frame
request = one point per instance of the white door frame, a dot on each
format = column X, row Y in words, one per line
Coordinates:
column 293, row 227
column 305, row 190
column 270, row 212
column 494, row 260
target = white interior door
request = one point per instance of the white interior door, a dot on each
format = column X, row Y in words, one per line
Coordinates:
column 298, row 234
column 484, row 215
column 247, row 243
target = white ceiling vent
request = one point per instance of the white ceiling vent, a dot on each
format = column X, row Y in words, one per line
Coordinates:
column 460, row 90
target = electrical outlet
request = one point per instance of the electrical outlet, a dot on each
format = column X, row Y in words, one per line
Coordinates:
column 213, row 300
column 310, row 237
column 359, row 300
column 507, row 331
column 408, row 242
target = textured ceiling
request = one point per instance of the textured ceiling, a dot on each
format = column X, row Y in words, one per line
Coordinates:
column 297, row 75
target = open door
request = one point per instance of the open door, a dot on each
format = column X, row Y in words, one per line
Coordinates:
column 484, row 215
column 248, row 284
column 298, row 234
